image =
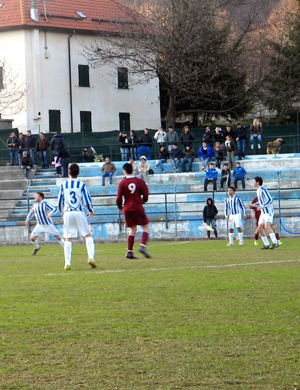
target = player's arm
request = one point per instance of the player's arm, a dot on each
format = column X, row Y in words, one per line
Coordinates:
column 52, row 210
column 266, row 199
column 28, row 218
column 244, row 210
column 88, row 200
column 61, row 199
column 119, row 199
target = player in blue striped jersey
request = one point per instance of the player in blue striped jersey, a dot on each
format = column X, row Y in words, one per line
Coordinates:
column 235, row 213
column 73, row 199
column 265, row 205
column 43, row 212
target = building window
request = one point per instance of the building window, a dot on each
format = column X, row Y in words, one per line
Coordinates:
column 124, row 121
column 85, row 121
column 122, row 78
column 83, row 76
column 1, row 78
column 54, row 121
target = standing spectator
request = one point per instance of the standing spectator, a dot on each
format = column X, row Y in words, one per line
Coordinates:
column 134, row 212
column 73, row 199
column 88, row 154
column 241, row 140
column 108, row 169
column 57, row 164
column 57, row 142
column 30, row 145
column 161, row 137
column 41, row 148
column 176, row 155
column 208, row 137
column 171, row 137
column 255, row 133
column 188, row 157
column 205, row 153
column 235, row 213
column 211, row 176
column 26, row 163
column 239, row 175
column 12, row 144
column 143, row 168
column 162, row 158
column 21, row 146
column 230, row 146
column 65, row 160
column 225, row 176
column 219, row 135
column 229, row 131
column 186, row 136
column 132, row 162
column 146, row 145
column 124, row 145
column 210, row 212
column 134, row 141
column 218, row 153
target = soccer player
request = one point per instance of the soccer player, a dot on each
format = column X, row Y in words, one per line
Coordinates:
column 43, row 212
column 73, row 199
column 135, row 194
column 265, row 205
column 235, row 212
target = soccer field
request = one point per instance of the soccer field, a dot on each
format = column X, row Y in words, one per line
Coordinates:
column 197, row 315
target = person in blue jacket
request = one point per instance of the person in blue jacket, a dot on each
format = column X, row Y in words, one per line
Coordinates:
column 205, row 154
column 211, row 176
column 239, row 174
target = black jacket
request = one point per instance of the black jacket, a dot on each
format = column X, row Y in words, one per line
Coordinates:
column 146, row 140
column 209, row 211
column 12, row 143
column 26, row 160
column 30, row 142
column 57, row 142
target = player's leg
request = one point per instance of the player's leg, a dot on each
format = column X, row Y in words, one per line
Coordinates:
column 60, row 240
column 130, row 242
column 271, row 234
column 144, row 240
column 262, row 233
column 68, row 253
column 276, row 234
column 230, row 236
column 35, row 243
column 90, row 247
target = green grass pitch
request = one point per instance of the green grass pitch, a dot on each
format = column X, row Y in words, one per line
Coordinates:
column 197, row 315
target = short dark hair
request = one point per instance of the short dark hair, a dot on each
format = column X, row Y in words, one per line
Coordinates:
column 232, row 188
column 259, row 180
column 225, row 164
column 127, row 168
column 74, row 170
column 41, row 194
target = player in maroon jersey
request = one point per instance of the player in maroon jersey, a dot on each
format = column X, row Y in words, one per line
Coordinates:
column 135, row 193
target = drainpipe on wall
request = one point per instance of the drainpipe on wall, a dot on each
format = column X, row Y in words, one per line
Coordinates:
column 70, row 81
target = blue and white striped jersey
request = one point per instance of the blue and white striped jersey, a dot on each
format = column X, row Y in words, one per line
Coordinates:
column 41, row 210
column 234, row 206
column 74, row 196
column 265, row 201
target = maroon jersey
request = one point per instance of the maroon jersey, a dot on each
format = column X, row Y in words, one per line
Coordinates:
column 135, row 193
column 257, row 212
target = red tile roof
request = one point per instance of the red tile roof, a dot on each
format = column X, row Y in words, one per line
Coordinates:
column 103, row 15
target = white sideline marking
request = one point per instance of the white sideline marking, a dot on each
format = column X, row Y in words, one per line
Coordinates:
column 116, row 271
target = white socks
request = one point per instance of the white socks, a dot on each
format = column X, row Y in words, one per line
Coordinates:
column 68, row 252
column 90, row 246
column 231, row 236
column 35, row 244
column 61, row 242
column 273, row 238
column 265, row 241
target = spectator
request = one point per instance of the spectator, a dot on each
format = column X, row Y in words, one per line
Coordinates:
column 161, row 137
column 88, row 154
column 171, row 137
column 57, row 164
column 143, row 168
column 230, row 146
column 225, row 176
column 205, row 153
column 211, row 176
column 255, row 133
column 132, row 162
column 219, row 135
column 162, row 158
column 12, row 144
column 21, row 146
column 124, row 145
column 42, row 146
column 146, row 145
column 210, row 212
column 229, row 131
column 26, row 163
column 57, row 142
column 108, row 169
column 65, row 159
column 241, row 140
column 239, row 174
column 188, row 157
column 30, row 145
column 208, row 137
column 134, row 141
column 218, row 153
column 176, row 155
column 186, row 137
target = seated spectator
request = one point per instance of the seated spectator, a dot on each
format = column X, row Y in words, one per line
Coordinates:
column 205, row 153
column 188, row 156
column 208, row 137
column 225, row 176
column 26, row 163
column 108, row 169
column 239, row 174
column 143, row 168
column 146, row 145
column 88, row 154
column 176, row 155
column 255, row 133
column 211, row 176
column 218, row 153
column 162, row 158
column 132, row 162
column 161, row 137
column 230, row 146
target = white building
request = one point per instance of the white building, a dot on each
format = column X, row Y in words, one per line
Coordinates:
column 41, row 41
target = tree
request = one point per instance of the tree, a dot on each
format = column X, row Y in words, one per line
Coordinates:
column 194, row 47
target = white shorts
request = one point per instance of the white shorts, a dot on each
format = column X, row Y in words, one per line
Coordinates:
column 76, row 222
column 49, row 229
column 265, row 218
column 235, row 221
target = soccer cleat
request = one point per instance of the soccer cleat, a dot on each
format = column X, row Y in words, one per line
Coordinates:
column 266, row 247
column 230, row 244
column 255, row 242
column 67, row 267
column 130, row 255
column 144, row 252
column 92, row 263
column 280, row 242
column 273, row 246
column 35, row 251
column 241, row 243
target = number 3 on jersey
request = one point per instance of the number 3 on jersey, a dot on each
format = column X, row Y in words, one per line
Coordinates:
column 132, row 188
column 74, row 199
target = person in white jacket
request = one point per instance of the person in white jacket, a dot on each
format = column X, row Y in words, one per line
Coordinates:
column 161, row 137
